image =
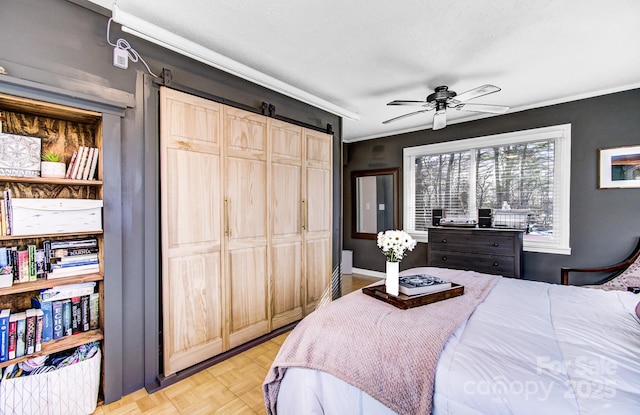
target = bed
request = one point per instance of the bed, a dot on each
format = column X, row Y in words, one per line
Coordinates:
column 524, row 348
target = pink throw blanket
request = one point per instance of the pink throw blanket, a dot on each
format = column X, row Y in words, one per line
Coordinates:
column 389, row 353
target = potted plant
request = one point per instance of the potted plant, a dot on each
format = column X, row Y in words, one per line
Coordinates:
column 52, row 165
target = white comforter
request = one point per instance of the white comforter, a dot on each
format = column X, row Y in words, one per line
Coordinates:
column 529, row 348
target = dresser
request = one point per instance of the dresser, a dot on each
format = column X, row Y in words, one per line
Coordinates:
column 487, row 250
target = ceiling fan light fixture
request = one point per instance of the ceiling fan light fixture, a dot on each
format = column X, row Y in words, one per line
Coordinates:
column 439, row 120
column 442, row 98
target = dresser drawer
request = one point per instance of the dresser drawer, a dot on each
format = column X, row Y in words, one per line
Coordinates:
column 481, row 243
column 488, row 264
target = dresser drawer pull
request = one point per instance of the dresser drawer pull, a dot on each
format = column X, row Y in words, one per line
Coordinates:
column 444, row 241
column 495, row 264
column 496, row 244
column 444, row 258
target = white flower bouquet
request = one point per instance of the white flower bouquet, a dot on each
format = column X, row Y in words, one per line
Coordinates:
column 394, row 244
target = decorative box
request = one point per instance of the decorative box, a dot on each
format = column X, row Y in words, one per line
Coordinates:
column 48, row 216
column 71, row 390
column 19, row 155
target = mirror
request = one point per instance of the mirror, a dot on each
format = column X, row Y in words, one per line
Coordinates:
column 374, row 199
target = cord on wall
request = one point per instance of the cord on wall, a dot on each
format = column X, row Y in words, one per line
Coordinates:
column 122, row 52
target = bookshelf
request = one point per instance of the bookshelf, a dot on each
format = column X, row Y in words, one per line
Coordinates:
column 62, row 129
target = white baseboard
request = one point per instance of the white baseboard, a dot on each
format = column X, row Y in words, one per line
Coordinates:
column 369, row 273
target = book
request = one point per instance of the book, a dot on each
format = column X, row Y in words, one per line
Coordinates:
column 67, row 291
column 31, row 249
column 30, row 331
column 46, row 245
column 3, row 228
column 76, row 315
column 6, row 271
column 94, row 311
column 41, row 264
column 422, row 284
column 56, row 311
column 47, row 318
column 74, row 243
column 12, row 254
column 77, row 164
column 87, row 166
column 8, row 217
column 73, row 271
column 71, row 264
column 76, row 259
column 23, row 265
column 4, row 334
column 94, row 165
column 67, row 252
column 11, row 346
column 39, row 329
column 71, row 163
column 85, row 313
column 21, row 326
column 66, row 318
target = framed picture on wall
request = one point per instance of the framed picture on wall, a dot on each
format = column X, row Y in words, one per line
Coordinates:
column 619, row 167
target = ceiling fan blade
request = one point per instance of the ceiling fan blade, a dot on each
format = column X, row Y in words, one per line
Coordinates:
column 439, row 120
column 402, row 102
column 492, row 109
column 405, row 116
column 476, row 92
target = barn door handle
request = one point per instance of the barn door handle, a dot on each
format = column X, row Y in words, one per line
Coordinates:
column 226, row 217
column 304, row 215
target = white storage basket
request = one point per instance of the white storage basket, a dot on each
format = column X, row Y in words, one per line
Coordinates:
column 71, row 390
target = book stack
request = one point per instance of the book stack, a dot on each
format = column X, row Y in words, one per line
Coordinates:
column 68, row 257
column 422, row 284
column 83, row 164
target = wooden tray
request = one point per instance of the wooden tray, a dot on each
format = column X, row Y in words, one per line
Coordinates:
column 410, row 301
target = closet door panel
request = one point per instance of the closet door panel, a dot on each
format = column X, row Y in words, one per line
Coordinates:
column 200, row 338
column 247, row 222
column 318, row 218
column 246, row 200
column 248, row 292
column 286, row 269
column 318, row 271
column 286, row 222
column 191, row 229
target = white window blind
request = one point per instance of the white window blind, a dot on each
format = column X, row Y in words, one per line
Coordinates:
column 523, row 177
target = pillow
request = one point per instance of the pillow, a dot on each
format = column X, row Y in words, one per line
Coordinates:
column 629, row 278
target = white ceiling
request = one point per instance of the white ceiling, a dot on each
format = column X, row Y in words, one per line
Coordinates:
column 361, row 54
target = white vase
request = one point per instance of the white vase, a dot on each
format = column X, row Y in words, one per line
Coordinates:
column 392, row 281
column 52, row 169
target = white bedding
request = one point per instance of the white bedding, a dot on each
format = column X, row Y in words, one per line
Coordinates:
column 529, row 348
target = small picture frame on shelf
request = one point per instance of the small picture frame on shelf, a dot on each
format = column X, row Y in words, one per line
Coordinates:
column 619, row 167
column 19, row 155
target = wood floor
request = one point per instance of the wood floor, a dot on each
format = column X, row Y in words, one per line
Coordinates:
column 233, row 386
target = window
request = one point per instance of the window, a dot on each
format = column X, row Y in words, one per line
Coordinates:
column 524, row 177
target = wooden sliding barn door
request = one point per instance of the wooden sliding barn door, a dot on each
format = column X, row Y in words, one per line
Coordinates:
column 190, row 170
column 246, row 212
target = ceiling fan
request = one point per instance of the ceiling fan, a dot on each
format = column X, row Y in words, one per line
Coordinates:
column 443, row 98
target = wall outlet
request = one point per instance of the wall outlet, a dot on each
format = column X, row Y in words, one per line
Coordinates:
column 120, row 58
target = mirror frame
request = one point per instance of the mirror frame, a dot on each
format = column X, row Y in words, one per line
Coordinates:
column 395, row 173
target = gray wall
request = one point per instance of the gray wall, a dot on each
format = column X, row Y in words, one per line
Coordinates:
column 60, row 43
column 605, row 223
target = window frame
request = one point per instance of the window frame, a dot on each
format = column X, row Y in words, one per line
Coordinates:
column 561, row 134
